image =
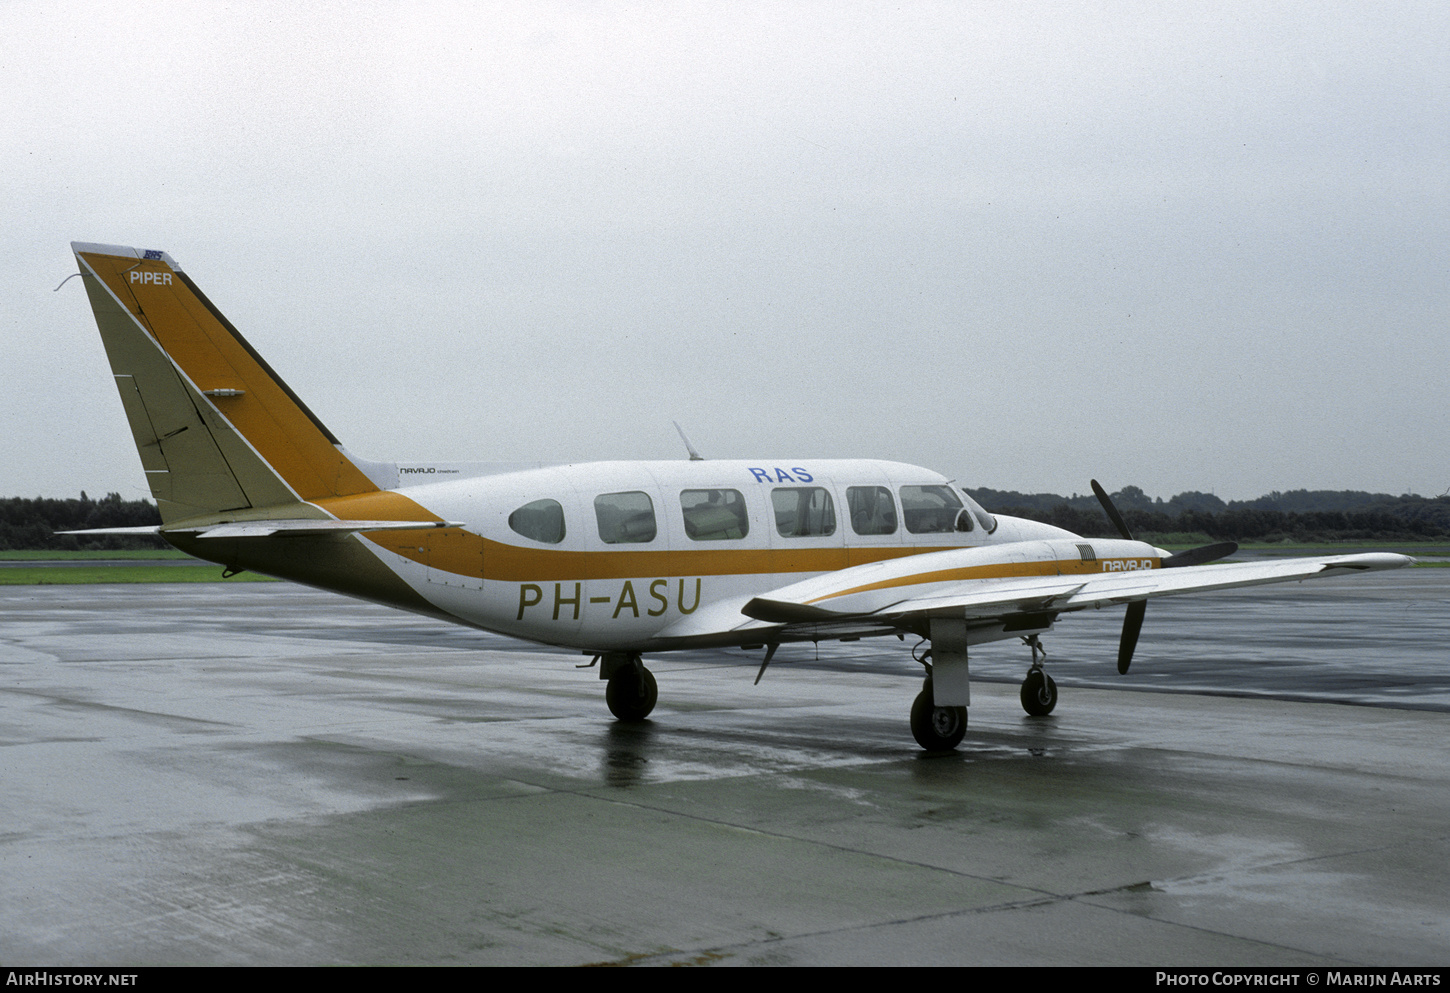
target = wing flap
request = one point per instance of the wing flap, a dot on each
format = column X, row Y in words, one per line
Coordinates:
column 982, row 598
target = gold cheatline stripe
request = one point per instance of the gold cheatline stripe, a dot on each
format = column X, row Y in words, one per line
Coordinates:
column 998, row 570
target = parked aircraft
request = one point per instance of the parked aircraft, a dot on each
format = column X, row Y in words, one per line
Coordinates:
column 613, row 559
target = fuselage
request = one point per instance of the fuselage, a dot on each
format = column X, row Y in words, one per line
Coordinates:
column 636, row 555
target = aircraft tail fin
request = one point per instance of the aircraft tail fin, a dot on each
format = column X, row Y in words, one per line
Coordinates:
column 218, row 431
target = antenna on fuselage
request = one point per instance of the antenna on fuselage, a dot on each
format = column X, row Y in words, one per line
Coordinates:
column 694, row 455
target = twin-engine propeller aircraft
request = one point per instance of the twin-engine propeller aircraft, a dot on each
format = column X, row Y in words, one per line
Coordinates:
column 615, row 559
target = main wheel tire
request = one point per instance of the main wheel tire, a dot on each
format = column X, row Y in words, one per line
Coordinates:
column 631, row 693
column 937, row 729
column 1039, row 694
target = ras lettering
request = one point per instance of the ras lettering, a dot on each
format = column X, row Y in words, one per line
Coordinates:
column 777, row 475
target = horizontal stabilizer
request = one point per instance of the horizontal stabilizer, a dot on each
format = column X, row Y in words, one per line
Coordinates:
column 258, row 529
column 143, row 529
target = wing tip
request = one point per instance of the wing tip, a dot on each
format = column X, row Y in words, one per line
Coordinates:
column 1370, row 561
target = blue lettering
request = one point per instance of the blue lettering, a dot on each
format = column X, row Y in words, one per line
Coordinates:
column 760, row 475
column 802, row 475
column 781, row 476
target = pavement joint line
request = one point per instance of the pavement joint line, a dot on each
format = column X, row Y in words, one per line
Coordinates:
column 1282, row 863
column 719, row 951
column 1047, row 895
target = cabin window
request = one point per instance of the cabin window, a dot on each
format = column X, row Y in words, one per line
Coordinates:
column 872, row 510
column 803, row 511
column 625, row 518
column 714, row 515
column 542, row 520
column 932, row 510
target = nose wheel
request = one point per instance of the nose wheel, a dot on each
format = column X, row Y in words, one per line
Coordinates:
column 1039, row 692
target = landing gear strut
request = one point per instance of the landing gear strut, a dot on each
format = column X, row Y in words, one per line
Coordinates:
column 937, row 729
column 631, row 690
column 1039, row 692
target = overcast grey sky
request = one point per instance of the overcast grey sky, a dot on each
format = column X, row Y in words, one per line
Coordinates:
column 1183, row 246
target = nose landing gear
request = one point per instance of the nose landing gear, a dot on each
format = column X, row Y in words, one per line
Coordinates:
column 1039, row 692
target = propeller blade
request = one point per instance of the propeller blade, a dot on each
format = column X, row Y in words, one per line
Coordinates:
column 1132, row 625
column 1201, row 554
column 1111, row 511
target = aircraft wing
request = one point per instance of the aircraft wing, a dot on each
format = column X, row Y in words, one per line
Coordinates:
column 842, row 595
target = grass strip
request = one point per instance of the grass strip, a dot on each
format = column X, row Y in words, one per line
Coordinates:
column 1318, row 547
column 48, row 555
column 74, row 575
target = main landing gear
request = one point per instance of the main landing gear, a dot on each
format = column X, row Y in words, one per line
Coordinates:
column 941, row 729
column 630, row 690
column 1039, row 692
column 936, row 729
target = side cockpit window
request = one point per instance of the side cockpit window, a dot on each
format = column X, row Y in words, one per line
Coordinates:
column 542, row 520
column 803, row 511
column 714, row 515
column 872, row 509
column 933, row 510
column 625, row 518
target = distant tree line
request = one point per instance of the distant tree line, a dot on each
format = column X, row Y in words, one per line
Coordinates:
column 32, row 523
column 1299, row 515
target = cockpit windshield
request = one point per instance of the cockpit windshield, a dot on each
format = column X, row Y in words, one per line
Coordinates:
column 986, row 520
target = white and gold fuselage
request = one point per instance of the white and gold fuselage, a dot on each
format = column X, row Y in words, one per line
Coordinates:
column 581, row 586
